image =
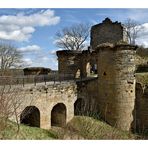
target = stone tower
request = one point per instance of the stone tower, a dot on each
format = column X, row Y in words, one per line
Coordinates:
column 116, row 84
column 107, row 31
column 116, row 67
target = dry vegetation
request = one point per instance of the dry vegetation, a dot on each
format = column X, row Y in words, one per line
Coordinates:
column 142, row 78
column 25, row 133
column 82, row 127
column 10, row 101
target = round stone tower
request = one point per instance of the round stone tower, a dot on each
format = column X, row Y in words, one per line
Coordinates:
column 116, row 84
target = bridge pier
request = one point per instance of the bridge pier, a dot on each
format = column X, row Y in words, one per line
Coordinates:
column 44, row 121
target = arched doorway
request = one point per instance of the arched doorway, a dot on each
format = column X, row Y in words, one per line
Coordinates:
column 58, row 115
column 79, row 107
column 88, row 69
column 94, row 69
column 78, row 74
column 30, row 116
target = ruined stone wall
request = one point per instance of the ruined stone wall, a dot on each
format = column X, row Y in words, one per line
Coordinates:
column 45, row 97
column 87, row 90
column 69, row 62
column 36, row 71
column 89, row 60
column 85, row 60
column 116, row 84
column 141, row 108
column 107, row 31
column 114, row 90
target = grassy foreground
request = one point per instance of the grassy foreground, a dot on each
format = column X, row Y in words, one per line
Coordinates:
column 25, row 133
column 142, row 78
column 80, row 127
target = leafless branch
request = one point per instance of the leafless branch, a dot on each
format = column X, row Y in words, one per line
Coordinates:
column 10, row 57
column 132, row 29
column 73, row 38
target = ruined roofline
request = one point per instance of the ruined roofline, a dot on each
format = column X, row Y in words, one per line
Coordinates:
column 107, row 21
column 74, row 53
column 107, row 31
column 68, row 52
column 36, row 68
column 111, row 46
column 86, row 51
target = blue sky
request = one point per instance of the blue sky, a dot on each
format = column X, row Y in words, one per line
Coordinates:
column 32, row 31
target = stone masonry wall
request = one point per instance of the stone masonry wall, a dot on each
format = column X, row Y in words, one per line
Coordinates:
column 87, row 90
column 141, row 108
column 46, row 97
column 116, row 84
column 107, row 31
column 69, row 62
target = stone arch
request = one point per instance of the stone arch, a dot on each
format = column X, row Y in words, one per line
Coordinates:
column 78, row 73
column 88, row 69
column 79, row 106
column 30, row 116
column 94, row 68
column 58, row 115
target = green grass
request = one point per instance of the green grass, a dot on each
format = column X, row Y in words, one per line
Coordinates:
column 90, row 128
column 26, row 133
column 142, row 78
column 82, row 127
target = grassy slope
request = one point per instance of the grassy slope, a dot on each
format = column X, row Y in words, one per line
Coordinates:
column 142, row 78
column 26, row 133
column 80, row 127
column 88, row 128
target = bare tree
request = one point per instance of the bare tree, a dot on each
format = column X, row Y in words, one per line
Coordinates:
column 132, row 29
column 73, row 37
column 10, row 57
column 9, row 104
column 11, row 101
column 4, row 111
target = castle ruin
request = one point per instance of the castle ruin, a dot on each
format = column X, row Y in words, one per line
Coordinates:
column 105, row 84
column 114, row 88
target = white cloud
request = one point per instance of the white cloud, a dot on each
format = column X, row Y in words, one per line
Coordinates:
column 47, row 61
column 44, row 59
column 20, row 27
column 143, row 36
column 28, row 61
column 41, row 18
column 36, row 57
column 137, row 14
column 30, row 48
column 54, row 51
column 22, row 34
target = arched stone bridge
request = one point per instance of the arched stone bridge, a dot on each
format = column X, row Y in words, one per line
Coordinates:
column 47, row 105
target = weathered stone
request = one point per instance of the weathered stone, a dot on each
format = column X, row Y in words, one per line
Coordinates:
column 111, row 85
column 107, row 31
column 45, row 102
column 111, row 95
column 36, row 71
